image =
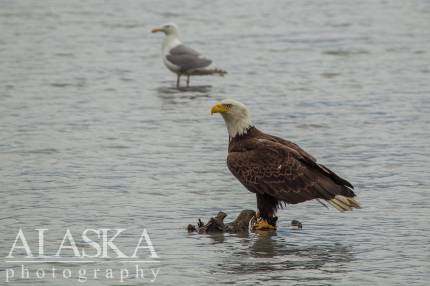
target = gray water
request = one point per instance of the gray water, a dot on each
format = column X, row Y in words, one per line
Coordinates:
column 93, row 134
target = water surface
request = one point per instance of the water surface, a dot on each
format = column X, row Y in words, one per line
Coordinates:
column 93, row 133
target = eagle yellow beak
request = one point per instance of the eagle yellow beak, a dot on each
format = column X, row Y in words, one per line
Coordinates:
column 155, row 30
column 219, row 108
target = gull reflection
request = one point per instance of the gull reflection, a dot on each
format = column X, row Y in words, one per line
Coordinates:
column 174, row 96
column 169, row 90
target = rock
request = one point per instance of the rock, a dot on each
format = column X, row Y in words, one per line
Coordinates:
column 239, row 225
column 217, row 225
column 297, row 224
column 191, row 228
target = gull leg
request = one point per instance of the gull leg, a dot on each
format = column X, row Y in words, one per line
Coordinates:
column 188, row 80
column 178, row 80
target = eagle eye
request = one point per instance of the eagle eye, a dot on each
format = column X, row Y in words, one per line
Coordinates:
column 228, row 105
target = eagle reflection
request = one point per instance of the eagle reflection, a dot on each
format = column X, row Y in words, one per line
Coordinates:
column 274, row 254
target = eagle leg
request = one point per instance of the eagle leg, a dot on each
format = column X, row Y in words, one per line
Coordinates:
column 188, row 80
column 265, row 216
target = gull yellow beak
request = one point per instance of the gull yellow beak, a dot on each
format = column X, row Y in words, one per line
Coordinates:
column 155, row 30
column 219, row 108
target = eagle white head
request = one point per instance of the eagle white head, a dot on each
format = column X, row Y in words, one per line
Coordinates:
column 168, row 29
column 235, row 114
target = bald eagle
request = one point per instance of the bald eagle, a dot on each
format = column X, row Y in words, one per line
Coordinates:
column 277, row 170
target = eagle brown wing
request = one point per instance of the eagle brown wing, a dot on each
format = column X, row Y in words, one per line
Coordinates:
column 309, row 158
column 291, row 145
column 277, row 171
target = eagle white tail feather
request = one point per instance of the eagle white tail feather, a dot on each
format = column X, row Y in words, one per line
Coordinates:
column 342, row 203
column 354, row 203
column 336, row 204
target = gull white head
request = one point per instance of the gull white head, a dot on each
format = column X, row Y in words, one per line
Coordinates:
column 235, row 114
column 168, row 29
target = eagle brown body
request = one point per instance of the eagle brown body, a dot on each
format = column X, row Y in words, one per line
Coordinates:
column 277, row 170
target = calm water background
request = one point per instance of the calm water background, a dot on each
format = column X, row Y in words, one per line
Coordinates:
column 93, row 133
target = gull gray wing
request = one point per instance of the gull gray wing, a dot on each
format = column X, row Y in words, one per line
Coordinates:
column 183, row 50
column 187, row 58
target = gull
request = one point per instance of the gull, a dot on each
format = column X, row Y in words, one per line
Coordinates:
column 183, row 60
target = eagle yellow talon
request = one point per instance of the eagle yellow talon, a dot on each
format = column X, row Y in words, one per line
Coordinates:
column 262, row 224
